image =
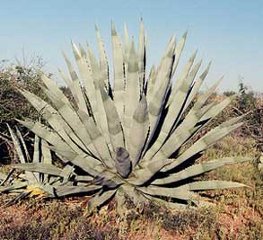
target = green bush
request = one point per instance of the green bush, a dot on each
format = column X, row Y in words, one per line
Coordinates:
column 12, row 103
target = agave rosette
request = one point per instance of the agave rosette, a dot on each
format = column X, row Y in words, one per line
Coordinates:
column 127, row 137
column 29, row 182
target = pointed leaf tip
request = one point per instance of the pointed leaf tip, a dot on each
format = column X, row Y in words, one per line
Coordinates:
column 75, row 50
column 141, row 24
column 171, row 46
column 185, row 35
column 65, row 56
column 208, row 67
column 113, row 29
column 96, row 28
column 126, row 29
column 74, row 44
column 195, row 53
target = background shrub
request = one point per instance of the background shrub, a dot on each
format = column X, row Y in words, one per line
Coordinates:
column 12, row 104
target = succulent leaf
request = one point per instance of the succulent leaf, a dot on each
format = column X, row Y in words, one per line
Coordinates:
column 198, row 169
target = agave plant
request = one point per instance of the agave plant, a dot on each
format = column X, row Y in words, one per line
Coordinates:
column 133, row 134
column 31, row 183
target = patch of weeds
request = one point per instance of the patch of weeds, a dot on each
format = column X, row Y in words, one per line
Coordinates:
column 129, row 203
column 151, row 211
column 131, row 217
column 232, row 145
column 252, row 230
column 30, row 231
column 83, row 229
column 55, row 220
column 181, row 221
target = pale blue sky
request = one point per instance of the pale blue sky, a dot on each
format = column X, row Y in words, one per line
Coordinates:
column 229, row 32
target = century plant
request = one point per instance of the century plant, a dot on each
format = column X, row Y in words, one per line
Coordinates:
column 133, row 134
column 30, row 183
